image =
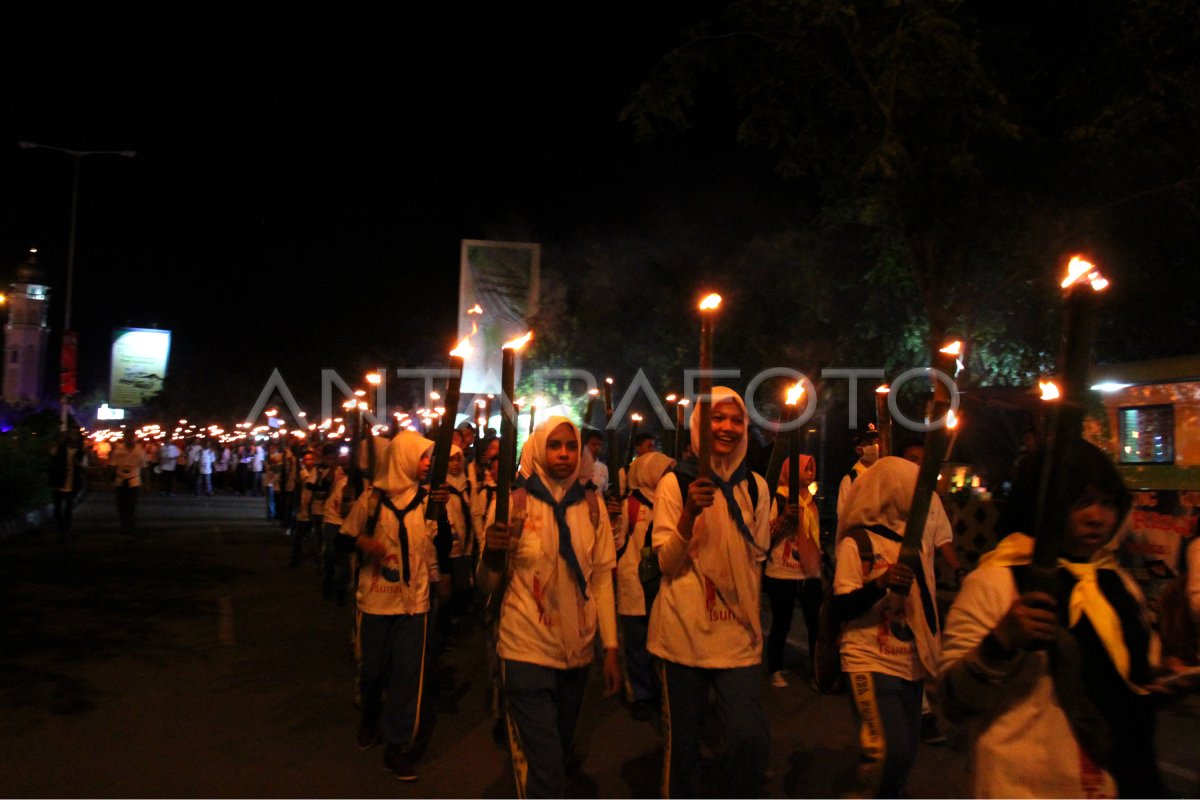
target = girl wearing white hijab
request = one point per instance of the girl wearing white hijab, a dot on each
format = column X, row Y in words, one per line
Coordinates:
column 637, row 514
column 399, row 566
column 889, row 644
column 560, row 593
column 705, row 624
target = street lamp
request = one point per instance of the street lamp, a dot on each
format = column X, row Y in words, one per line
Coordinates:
column 76, row 156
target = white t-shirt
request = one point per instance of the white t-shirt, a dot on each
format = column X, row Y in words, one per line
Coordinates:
column 167, row 457
column 784, row 561
column 545, row 620
column 631, row 597
column 381, row 587
column 128, row 464
column 1026, row 748
column 690, row 624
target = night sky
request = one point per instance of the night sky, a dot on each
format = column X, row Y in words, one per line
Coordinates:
column 296, row 170
column 304, row 178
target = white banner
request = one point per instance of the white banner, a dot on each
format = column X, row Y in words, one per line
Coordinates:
column 497, row 296
column 139, row 365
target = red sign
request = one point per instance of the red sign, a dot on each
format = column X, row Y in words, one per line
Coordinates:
column 69, row 359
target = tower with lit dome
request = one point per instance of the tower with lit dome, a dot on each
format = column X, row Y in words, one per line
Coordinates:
column 25, row 334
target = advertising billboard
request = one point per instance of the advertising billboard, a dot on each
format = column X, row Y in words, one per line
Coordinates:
column 139, row 365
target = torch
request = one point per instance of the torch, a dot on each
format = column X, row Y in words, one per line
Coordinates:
column 708, row 314
column 671, row 398
column 1081, row 290
column 783, row 441
column 634, row 422
column 612, row 442
column 441, row 449
column 883, row 420
column 680, row 423
column 590, row 409
column 508, row 423
column 931, row 463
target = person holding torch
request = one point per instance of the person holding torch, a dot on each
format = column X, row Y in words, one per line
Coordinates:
column 556, row 548
column 711, row 535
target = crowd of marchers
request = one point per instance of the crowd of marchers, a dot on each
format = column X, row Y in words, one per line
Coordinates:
column 658, row 570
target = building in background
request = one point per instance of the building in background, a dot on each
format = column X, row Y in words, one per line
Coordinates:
column 26, row 334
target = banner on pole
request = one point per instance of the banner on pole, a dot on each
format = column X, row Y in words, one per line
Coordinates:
column 497, row 296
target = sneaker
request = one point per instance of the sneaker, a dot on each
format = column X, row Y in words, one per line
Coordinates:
column 930, row 733
column 399, row 764
column 642, row 710
column 778, row 681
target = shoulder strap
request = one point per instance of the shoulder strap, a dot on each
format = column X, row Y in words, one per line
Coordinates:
column 866, row 550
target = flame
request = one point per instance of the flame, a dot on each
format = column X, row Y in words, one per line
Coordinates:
column 1080, row 269
column 794, row 394
column 684, row 401
column 952, row 349
column 374, row 378
column 435, row 395
column 883, row 389
column 360, row 393
column 475, row 309
column 518, row 343
column 609, row 381
column 362, row 405
column 593, row 392
column 463, row 348
column 951, row 420
column 636, row 417
column 671, row 398
column 1049, row 390
column 710, row 303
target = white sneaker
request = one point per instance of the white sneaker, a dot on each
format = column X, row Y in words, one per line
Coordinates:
column 778, row 681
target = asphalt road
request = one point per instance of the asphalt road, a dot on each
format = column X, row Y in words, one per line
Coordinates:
column 193, row 662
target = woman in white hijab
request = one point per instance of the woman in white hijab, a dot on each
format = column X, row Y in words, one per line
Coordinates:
column 559, row 594
column 889, row 644
column 635, row 520
column 705, row 624
column 399, row 566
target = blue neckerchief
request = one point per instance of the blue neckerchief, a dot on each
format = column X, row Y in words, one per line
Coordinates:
column 690, row 468
column 574, row 495
column 402, row 535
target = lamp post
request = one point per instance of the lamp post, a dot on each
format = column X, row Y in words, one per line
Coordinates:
column 76, row 156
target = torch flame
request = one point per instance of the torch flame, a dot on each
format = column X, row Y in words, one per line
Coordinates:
column 463, row 348
column 794, row 394
column 951, row 419
column 593, row 392
column 475, row 309
column 374, row 378
column 684, row 401
column 884, row 389
column 1049, row 390
column 636, row 417
column 711, row 302
column 518, row 343
column 952, row 349
column 1079, row 269
column 671, row 398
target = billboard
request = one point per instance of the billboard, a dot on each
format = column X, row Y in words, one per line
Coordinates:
column 139, row 365
column 497, row 296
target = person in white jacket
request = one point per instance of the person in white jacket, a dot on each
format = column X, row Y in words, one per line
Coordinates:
column 399, row 566
column 559, row 594
column 634, row 522
column 1056, row 688
column 705, row 624
column 889, row 642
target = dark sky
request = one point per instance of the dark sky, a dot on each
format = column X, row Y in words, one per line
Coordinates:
column 297, row 168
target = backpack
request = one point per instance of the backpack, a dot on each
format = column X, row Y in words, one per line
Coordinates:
column 649, row 571
column 827, row 660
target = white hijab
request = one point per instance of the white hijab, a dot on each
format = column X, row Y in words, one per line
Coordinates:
column 723, row 466
column 533, row 456
column 647, row 470
column 402, row 462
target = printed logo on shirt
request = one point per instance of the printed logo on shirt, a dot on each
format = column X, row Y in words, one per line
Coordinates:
column 893, row 634
column 389, row 569
column 539, row 598
column 714, row 606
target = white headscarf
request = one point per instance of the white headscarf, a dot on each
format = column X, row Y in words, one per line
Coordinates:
column 883, row 496
column 723, row 466
column 403, row 463
column 459, row 481
column 533, row 456
column 647, row 470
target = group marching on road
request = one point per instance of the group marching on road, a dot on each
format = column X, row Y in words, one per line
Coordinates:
column 657, row 570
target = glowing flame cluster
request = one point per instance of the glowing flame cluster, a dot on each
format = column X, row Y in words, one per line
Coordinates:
column 1079, row 270
column 463, row 349
column 1049, row 390
column 794, row 394
column 518, row 343
column 711, row 302
column 952, row 349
